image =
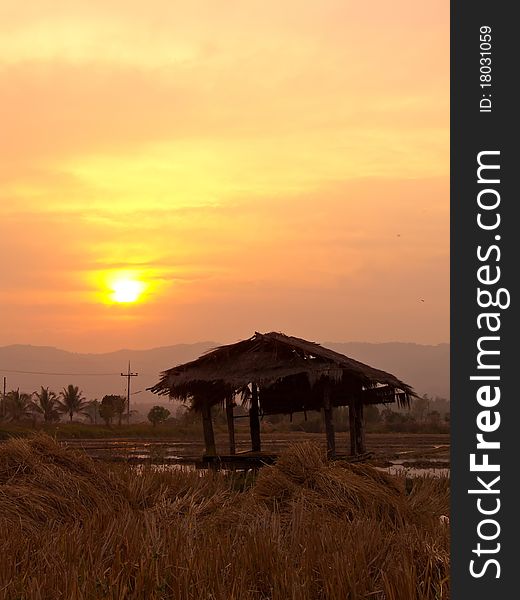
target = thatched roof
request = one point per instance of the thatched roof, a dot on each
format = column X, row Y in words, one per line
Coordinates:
column 290, row 372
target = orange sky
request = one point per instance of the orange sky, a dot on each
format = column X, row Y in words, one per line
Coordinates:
column 259, row 165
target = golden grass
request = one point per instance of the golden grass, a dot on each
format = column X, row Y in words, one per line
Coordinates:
column 73, row 529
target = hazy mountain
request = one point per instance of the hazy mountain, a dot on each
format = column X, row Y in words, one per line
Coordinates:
column 426, row 368
column 96, row 374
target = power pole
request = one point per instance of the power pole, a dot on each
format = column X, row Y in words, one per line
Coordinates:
column 128, row 376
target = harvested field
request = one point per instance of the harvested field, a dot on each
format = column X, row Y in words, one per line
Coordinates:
column 303, row 529
column 385, row 447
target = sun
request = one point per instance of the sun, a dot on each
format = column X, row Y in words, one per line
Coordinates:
column 127, row 290
column 123, row 287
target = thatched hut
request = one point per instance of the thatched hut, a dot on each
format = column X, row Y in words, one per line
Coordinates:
column 278, row 374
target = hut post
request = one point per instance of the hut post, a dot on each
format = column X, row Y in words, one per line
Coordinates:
column 254, row 420
column 207, row 424
column 329, row 422
column 352, row 426
column 360, row 427
column 230, row 424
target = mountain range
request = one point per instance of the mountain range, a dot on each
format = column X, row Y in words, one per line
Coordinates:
column 425, row 368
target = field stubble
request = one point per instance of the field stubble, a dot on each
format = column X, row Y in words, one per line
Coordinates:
column 72, row 528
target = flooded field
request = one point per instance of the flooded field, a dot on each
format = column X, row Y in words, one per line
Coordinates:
column 409, row 453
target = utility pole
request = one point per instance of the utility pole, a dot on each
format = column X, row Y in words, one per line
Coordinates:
column 128, row 376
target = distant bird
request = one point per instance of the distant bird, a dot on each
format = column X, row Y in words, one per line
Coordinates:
column 422, row 300
column 398, row 235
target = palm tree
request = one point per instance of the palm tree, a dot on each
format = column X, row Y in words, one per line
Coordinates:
column 46, row 403
column 18, row 405
column 72, row 401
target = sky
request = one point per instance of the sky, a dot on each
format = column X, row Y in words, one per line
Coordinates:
column 248, row 165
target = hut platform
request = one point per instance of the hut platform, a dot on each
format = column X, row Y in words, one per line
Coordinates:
column 240, row 461
column 254, row 460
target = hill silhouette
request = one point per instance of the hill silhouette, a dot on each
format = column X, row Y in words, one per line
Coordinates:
column 425, row 368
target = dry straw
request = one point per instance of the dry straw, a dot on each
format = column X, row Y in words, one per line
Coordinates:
column 74, row 529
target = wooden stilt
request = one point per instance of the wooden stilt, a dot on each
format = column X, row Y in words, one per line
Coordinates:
column 352, row 426
column 360, row 428
column 254, row 420
column 230, row 424
column 209, row 436
column 329, row 423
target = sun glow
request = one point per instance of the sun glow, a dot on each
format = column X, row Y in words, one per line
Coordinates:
column 127, row 290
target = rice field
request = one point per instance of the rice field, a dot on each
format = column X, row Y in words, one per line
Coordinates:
column 304, row 529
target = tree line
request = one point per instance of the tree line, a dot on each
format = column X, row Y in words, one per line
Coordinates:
column 50, row 407
column 425, row 414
